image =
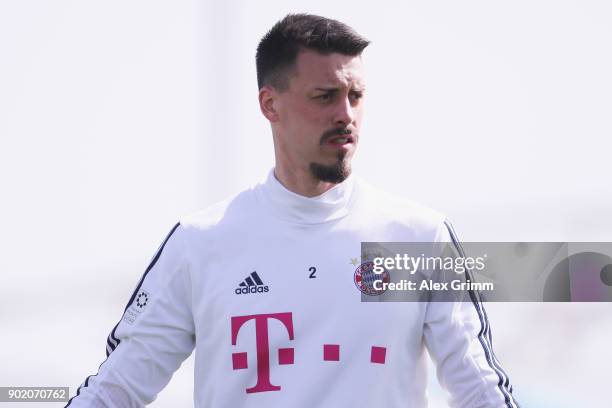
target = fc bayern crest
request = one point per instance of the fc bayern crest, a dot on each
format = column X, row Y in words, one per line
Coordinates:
column 365, row 278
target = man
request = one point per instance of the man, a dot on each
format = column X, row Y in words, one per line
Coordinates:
column 261, row 284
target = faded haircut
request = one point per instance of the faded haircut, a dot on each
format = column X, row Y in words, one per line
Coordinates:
column 278, row 50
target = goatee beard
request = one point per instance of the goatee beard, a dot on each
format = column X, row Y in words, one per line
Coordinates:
column 335, row 173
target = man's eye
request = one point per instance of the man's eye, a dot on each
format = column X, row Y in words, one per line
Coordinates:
column 325, row 97
column 356, row 95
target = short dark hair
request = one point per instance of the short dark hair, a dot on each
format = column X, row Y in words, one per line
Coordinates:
column 278, row 49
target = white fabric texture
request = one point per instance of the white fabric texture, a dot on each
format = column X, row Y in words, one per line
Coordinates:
column 303, row 337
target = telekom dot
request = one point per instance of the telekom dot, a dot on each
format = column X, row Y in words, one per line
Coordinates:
column 239, row 361
column 378, row 355
column 331, row 352
column 285, row 356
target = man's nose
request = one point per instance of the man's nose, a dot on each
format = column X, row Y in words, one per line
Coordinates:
column 344, row 113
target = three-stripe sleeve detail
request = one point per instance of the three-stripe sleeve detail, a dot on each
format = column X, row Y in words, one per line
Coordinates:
column 112, row 341
column 484, row 336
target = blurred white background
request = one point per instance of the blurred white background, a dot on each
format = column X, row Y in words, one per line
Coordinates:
column 118, row 117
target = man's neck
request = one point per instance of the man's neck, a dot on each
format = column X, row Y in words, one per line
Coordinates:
column 301, row 182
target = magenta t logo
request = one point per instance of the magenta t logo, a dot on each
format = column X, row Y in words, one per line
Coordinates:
column 285, row 355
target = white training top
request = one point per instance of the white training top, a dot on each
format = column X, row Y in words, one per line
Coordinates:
column 262, row 285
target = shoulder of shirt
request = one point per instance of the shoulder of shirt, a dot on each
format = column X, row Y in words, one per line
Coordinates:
column 399, row 209
column 233, row 207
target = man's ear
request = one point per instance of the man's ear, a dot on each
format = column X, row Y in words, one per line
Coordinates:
column 268, row 103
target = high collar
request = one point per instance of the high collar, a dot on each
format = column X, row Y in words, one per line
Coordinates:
column 331, row 205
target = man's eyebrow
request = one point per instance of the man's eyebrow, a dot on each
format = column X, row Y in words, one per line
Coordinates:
column 336, row 88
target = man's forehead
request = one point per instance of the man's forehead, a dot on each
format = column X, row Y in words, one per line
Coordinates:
column 328, row 70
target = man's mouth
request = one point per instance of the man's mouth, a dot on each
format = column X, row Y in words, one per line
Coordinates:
column 341, row 139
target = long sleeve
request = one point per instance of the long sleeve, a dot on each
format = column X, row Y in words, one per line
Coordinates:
column 154, row 336
column 458, row 338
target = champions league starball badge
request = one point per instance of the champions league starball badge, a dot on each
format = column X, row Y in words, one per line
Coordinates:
column 142, row 299
column 365, row 277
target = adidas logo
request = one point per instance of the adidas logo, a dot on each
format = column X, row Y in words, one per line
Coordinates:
column 252, row 284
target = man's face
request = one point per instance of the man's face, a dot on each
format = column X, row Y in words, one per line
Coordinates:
column 319, row 116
